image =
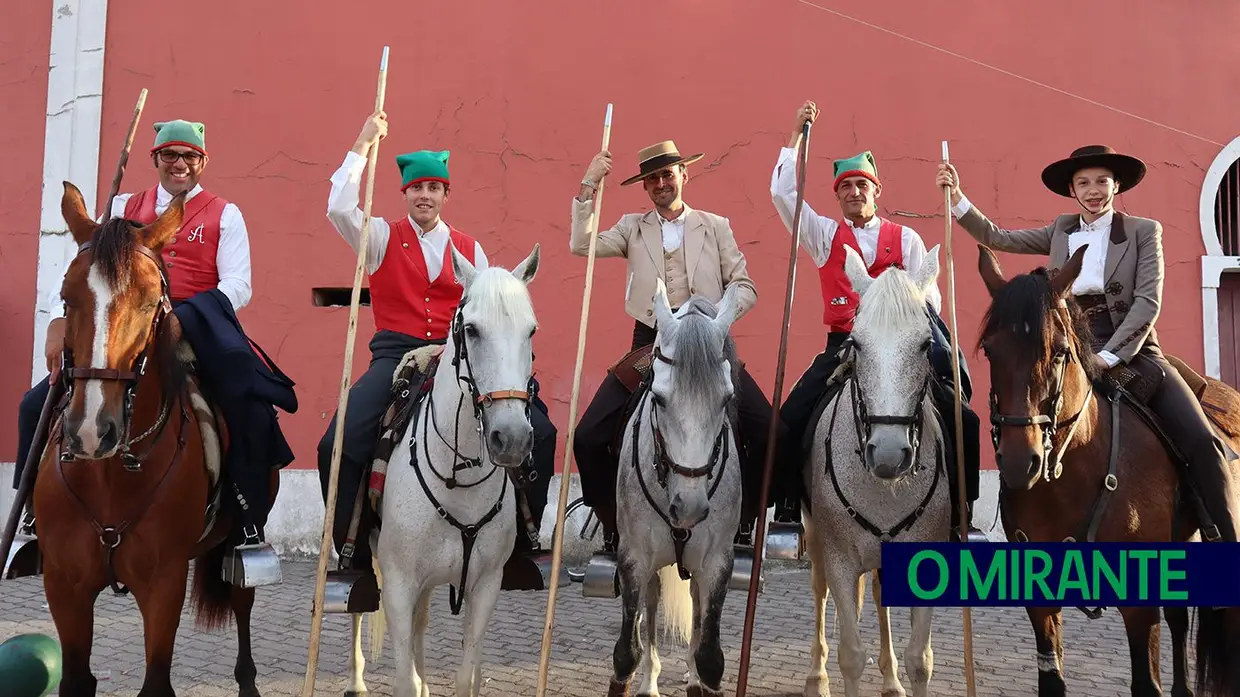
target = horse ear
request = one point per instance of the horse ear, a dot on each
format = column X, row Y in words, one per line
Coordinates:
column 1062, row 282
column 854, row 267
column 662, row 309
column 988, row 267
column 526, row 270
column 725, row 311
column 461, row 267
column 157, row 234
column 78, row 220
column 928, row 274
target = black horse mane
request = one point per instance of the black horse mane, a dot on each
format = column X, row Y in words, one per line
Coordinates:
column 1027, row 300
column 114, row 246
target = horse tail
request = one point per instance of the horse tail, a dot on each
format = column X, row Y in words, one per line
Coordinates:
column 378, row 620
column 1218, row 652
column 211, row 595
column 676, row 598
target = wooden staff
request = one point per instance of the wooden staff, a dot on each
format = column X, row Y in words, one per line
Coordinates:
column 962, row 496
column 26, row 483
column 557, row 544
column 742, row 678
column 320, row 585
column 123, row 160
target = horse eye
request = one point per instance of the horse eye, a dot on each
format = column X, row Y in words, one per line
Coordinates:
column 471, row 331
column 658, row 401
column 925, row 345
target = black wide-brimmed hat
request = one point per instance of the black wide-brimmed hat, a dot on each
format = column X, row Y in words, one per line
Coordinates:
column 1128, row 170
column 657, row 157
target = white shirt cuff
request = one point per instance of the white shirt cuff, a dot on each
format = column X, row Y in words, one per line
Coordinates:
column 1109, row 357
column 963, row 207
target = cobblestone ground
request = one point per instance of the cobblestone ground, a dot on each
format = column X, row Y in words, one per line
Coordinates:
column 1004, row 659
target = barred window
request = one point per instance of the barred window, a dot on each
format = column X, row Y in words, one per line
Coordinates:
column 1227, row 211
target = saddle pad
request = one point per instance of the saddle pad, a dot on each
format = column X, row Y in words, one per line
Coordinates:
column 410, row 385
column 214, row 440
column 633, row 368
column 1220, row 401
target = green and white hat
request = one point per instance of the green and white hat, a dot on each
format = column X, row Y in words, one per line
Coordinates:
column 862, row 165
column 423, row 165
column 188, row 133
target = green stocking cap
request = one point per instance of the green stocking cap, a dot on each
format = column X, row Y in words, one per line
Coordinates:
column 860, row 166
column 422, row 165
column 187, row 133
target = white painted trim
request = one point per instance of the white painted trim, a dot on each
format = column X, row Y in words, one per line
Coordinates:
column 71, row 142
column 1209, row 191
column 1212, row 270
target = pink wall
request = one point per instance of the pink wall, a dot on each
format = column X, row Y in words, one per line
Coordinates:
column 519, row 96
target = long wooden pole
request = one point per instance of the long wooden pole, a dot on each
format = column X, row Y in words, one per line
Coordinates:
column 325, row 548
column 557, row 545
column 742, row 678
column 961, row 494
column 123, row 160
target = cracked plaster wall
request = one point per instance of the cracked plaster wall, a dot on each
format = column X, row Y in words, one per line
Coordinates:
column 517, row 93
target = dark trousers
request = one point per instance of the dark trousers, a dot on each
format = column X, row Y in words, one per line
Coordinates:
column 598, row 461
column 1181, row 416
column 27, row 421
column 369, row 398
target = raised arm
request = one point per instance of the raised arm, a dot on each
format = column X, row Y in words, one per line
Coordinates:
column 613, row 242
column 816, row 231
column 342, row 202
column 979, row 227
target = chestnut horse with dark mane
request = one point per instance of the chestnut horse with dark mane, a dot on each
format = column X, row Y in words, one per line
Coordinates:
column 130, row 511
column 1078, row 460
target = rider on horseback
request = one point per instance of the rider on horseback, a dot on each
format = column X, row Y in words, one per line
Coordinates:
column 695, row 253
column 212, row 257
column 1132, row 276
column 406, row 260
column 882, row 244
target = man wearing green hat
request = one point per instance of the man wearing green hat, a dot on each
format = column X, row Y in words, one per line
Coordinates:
column 414, row 295
column 210, row 253
column 1119, row 289
column 881, row 244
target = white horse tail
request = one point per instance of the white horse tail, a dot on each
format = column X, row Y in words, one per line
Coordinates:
column 677, row 600
column 378, row 620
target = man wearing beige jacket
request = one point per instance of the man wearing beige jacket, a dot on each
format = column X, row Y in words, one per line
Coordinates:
column 695, row 253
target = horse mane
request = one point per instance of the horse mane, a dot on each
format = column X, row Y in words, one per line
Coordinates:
column 113, row 244
column 696, row 360
column 891, row 302
column 501, row 298
column 1025, row 303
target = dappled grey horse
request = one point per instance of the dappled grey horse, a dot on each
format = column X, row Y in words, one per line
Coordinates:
column 678, row 495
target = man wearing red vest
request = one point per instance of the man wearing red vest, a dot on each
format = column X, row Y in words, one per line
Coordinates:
column 413, row 296
column 212, row 250
column 881, row 244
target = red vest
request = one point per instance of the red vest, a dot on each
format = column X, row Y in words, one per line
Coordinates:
column 402, row 296
column 190, row 255
column 839, row 300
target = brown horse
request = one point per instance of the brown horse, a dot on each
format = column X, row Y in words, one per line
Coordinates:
column 1071, row 472
column 131, row 512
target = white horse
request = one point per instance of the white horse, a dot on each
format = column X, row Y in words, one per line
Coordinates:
column 878, row 443
column 472, row 429
column 678, row 496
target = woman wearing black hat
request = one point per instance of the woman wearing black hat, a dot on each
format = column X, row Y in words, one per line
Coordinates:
column 1120, row 289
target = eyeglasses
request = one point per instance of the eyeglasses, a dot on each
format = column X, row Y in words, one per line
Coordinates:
column 170, row 156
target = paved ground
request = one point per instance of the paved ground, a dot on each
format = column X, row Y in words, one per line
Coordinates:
column 1096, row 654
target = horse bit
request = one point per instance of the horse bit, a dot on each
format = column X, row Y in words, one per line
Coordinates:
column 469, row 533
column 664, row 464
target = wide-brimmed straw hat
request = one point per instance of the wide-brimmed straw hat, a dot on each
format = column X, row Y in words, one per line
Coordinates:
column 657, row 157
column 1128, row 170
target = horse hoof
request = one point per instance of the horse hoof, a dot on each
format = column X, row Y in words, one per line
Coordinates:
column 817, row 686
column 351, row 693
column 703, row 691
column 618, row 688
column 898, row 692
column 249, row 692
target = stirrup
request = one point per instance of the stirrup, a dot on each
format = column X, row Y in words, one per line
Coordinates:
column 252, row 564
column 783, row 541
column 24, row 559
column 351, row 591
column 602, row 575
column 742, row 569
column 1211, row 534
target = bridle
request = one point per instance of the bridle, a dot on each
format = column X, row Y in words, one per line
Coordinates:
column 864, row 422
column 131, row 377
column 1051, row 466
column 664, row 464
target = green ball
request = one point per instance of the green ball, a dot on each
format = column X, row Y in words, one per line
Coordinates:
column 30, row 665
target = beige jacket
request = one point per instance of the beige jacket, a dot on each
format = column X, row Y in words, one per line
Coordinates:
column 712, row 259
column 1134, row 268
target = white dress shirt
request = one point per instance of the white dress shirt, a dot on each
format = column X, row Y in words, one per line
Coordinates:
column 673, row 230
column 1092, row 278
column 346, row 217
column 818, row 232
column 232, row 257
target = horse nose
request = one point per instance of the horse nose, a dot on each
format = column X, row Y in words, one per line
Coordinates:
column 683, row 515
column 109, row 435
column 509, row 443
column 1035, row 464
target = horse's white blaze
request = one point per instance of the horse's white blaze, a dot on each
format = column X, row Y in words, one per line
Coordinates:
column 102, row 290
